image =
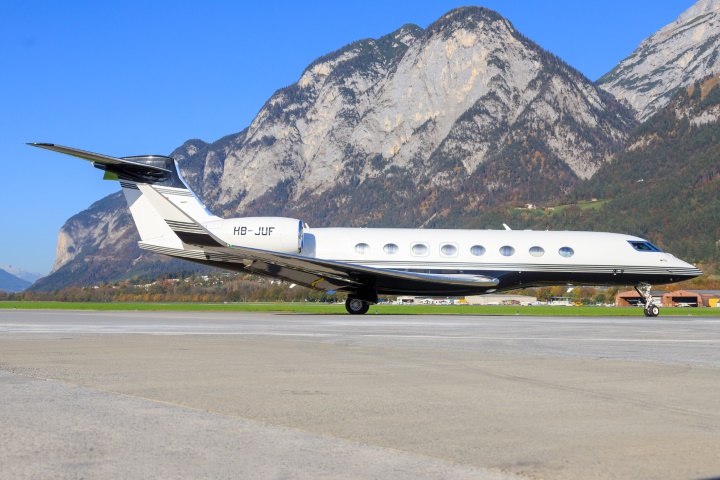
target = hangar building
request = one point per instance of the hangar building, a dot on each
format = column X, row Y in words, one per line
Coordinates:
column 682, row 298
column 693, row 298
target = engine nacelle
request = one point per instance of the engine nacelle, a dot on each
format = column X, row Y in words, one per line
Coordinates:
column 278, row 234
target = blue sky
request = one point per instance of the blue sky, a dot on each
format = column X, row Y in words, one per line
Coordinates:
column 141, row 77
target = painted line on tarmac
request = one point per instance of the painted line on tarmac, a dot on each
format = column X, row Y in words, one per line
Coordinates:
column 84, row 330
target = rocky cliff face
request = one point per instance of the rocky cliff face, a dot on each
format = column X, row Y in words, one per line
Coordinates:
column 100, row 243
column 676, row 56
column 416, row 128
column 433, row 103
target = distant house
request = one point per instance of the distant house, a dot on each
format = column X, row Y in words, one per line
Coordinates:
column 560, row 301
column 500, row 300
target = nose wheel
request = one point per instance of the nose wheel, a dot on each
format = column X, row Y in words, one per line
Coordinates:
column 651, row 310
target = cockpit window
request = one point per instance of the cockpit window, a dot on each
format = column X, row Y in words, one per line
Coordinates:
column 644, row 246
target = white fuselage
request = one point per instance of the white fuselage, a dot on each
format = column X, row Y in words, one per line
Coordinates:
column 517, row 257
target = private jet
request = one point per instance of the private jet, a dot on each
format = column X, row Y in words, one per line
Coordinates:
column 363, row 263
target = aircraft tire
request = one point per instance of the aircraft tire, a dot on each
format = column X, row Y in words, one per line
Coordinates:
column 653, row 311
column 356, row 306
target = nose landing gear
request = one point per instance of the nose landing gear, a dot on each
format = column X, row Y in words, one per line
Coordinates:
column 651, row 310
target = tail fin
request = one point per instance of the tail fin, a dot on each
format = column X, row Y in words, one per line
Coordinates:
column 162, row 173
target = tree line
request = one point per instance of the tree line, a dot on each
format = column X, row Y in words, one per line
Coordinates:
column 235, row 288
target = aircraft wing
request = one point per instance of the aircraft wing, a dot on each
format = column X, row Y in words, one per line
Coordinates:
column 331, row 275
column 316, row 273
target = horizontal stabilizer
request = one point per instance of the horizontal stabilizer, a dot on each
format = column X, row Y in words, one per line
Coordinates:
column 102, row 159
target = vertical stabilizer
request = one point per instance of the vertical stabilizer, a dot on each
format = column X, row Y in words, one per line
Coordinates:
column 171, row 185
column 162, row 174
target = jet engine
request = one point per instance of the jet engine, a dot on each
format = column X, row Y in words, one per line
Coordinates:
column 277, row 234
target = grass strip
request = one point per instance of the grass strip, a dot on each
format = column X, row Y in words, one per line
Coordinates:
column 382, row 309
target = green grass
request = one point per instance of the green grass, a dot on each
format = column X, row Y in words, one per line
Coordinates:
column 181, row 307
column 585, row 205
column 321, row 308
column 591, row 205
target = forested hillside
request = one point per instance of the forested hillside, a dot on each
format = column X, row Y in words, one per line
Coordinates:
column 664, row 187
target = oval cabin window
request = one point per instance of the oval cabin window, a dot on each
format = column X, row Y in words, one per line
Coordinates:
column 566, row 252
column 448, row 250
column 507, row 251
column 477, row 250
column 420, row 249
column 362, row 248
column 537, row 251
column 390, row 248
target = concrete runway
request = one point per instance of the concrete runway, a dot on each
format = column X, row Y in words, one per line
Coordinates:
column 259, row 395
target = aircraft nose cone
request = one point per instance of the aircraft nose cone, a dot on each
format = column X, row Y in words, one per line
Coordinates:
column 685, row 269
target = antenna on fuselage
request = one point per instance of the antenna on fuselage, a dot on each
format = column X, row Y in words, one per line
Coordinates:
column 506, row 227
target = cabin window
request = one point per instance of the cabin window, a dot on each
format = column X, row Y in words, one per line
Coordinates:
column 420, row 249
column 644, row 246
column 362, row 248
column 566, row 252
column 537, row 251
column 448, row 250
column 507, row 251
column 390, row 248
column 477, row 250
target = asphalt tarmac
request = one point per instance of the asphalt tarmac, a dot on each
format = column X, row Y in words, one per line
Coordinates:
column 261, row 395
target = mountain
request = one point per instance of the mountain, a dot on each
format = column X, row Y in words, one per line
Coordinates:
column 100, row 244
column 673, row 58
column 664, row 186
column 29, row 276
column 371, row 133
column 416, row 128
column 11, row 283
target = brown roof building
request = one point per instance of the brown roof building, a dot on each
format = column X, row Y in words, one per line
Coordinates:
column 678, row 298
column 690, row 298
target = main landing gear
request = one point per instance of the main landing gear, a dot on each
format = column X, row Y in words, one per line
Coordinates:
column 359, row 301
column 651, row 310
column 356, row 306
